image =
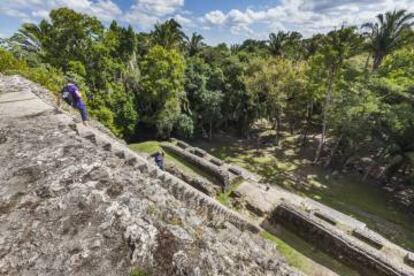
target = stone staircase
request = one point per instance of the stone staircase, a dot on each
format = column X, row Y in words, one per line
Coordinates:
column 181, row 190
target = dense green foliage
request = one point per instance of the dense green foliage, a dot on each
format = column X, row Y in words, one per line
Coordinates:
column 167, row 83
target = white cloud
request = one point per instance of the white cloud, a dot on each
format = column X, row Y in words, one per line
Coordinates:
column 29, row 10
column 148, row 12
column 306, row 16
column 215, row 17
column 184, row 21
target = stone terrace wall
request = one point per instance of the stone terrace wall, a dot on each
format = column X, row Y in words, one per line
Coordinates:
column 200, row 183
column 221, row 175
column 368, row 260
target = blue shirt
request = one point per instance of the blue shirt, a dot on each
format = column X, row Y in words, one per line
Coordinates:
column 74, row 91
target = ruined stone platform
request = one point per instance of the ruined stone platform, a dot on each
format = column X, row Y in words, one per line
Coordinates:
column 343, row 236
column 76, row 201
column 306, row 217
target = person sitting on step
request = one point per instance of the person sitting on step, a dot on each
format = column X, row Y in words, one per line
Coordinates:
column 159, row 159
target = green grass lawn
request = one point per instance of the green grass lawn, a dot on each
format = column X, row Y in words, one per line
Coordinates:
column 151, row 147
column 303, row 256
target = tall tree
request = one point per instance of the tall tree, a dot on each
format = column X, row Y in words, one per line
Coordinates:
column 337, row 46
column 274, row 82
column 388, row 33
column 168, row 34
column 162, row 87
column 276, row 42
column 194, row 44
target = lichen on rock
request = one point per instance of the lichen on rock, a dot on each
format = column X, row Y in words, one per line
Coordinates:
column 71, row 207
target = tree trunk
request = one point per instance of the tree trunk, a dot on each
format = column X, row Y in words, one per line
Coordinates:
column 307, row 122
column 277, row 128
column 325, row 114
column 379, row 56
column 367, row 62
column 210, row 134
column 333, row 151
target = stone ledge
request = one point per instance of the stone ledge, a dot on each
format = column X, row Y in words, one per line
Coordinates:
column 366, row 259
column 220, row 175
column 325, row 217
column 199, row 152
column 216, row 161
column 235, row 171
column 409, row 259
column 182, row 144
column 368, row 236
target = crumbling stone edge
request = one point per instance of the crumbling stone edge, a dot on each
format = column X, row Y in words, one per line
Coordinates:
column 221, row 175
column 334, row 242
column 178, row 188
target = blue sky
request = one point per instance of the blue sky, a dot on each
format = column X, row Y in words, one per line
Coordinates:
column 229, row 21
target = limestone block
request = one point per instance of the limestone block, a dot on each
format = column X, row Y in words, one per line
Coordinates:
column 235, row 171
column 216, row 161
column 132, row 161
column 326, row 217
column 182, row 144
column 409, row 259
column 107, row 146
column 90, row 136
column 199, row 152
column 120, row 154
column 368, row 236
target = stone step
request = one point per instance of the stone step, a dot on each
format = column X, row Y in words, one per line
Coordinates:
column 325, row 217
column 90, row 136
column 107, row 146
column 143, row 168
column 368, row 237
column 120, row 154
column 235, row 171
column 409, row 259
column 182, row 144
column 216, row 161
column 199, row 152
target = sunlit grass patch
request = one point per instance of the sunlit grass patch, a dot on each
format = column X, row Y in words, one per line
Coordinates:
column 303, row 255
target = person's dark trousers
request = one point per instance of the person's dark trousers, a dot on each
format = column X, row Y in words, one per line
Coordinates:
column 160, row 164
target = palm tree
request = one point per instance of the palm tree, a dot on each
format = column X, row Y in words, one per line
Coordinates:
column 34, row 34
column 387, row 34
column 194, row 44
column 168, row 34
column 276, row 43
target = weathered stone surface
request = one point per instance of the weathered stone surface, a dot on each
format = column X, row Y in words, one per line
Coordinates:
column 368, row 260
column 69, row 207
column 199, row 152
column 235, row 194
column 201, row 184
column 326, row 217
column 255, row 209
column 182, row 144
column 368, row 236
column 216, row 161
column 221, row 175
column 235, row 171
column 409, row 259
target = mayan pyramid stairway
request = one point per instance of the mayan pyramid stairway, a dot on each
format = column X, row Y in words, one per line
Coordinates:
column 77, row 201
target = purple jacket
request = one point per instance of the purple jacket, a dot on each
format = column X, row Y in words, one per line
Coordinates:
column 74, row 91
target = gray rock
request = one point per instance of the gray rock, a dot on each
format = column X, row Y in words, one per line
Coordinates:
column 70, row 207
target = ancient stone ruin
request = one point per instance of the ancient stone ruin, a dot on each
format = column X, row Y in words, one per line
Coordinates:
column 76, row 201
column 343, row 237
